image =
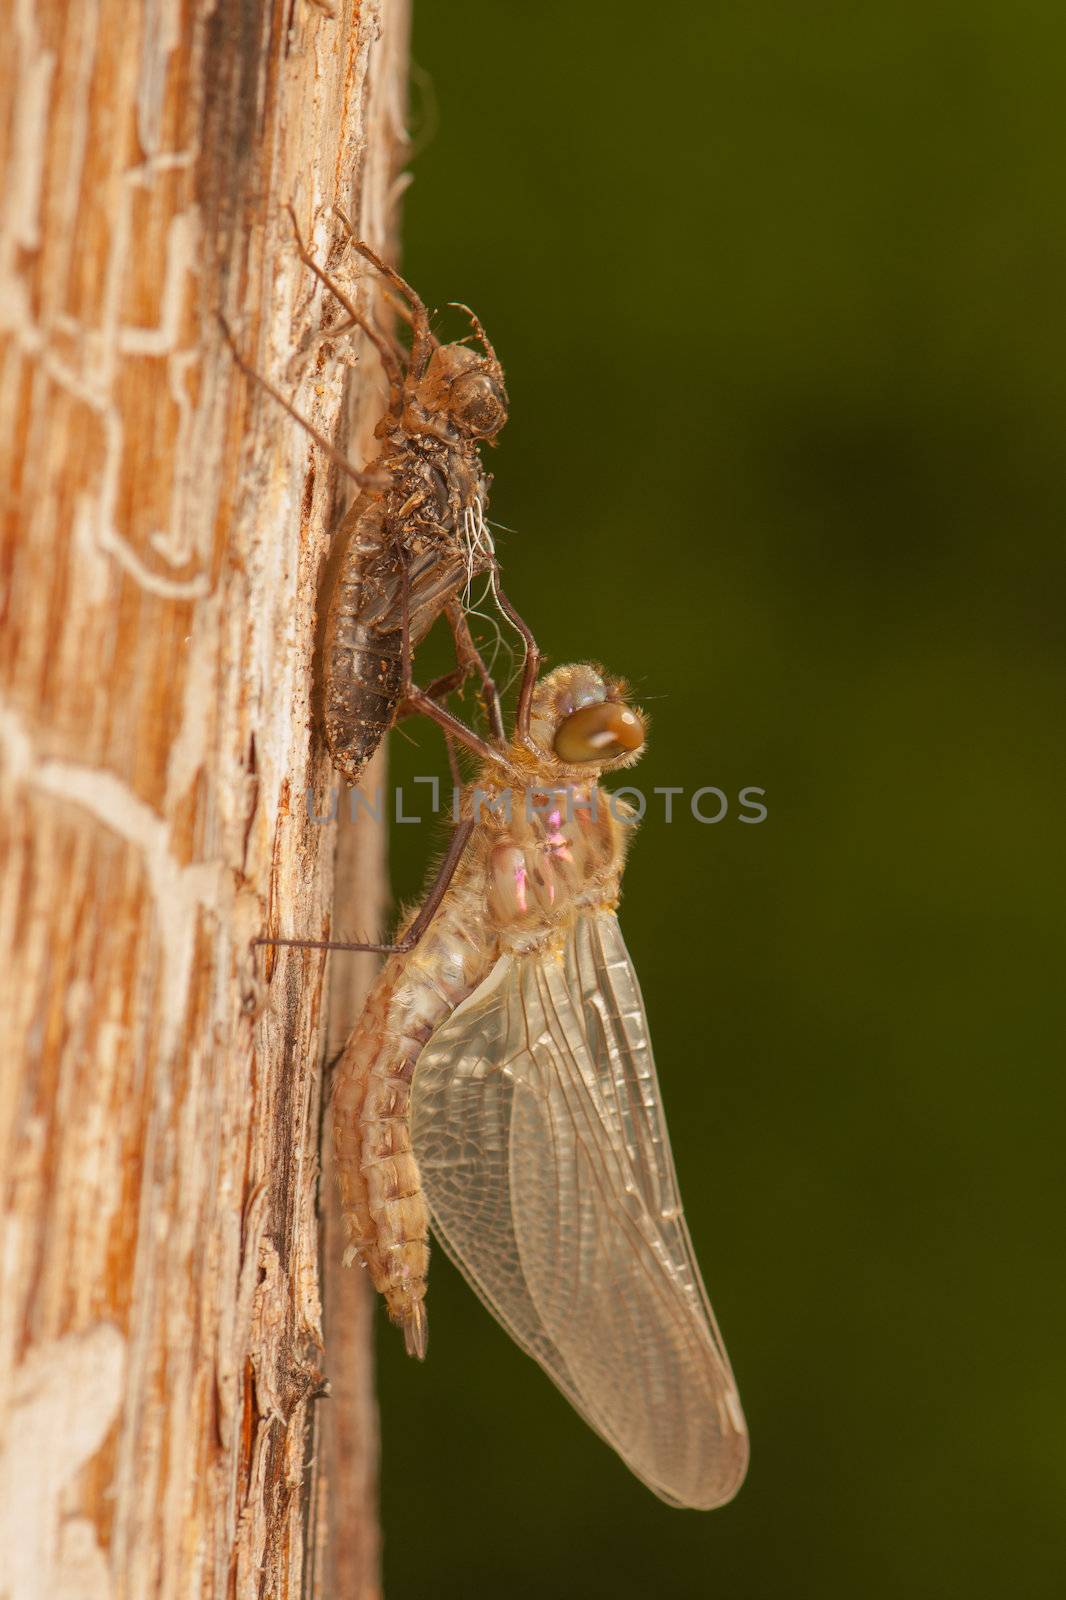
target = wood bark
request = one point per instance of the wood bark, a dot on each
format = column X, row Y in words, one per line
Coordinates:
column 162, row 1363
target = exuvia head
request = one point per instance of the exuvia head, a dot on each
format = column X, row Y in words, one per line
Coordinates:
column 580, row 718
column 466, row 389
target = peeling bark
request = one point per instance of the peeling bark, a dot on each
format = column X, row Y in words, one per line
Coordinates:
column 164, row 530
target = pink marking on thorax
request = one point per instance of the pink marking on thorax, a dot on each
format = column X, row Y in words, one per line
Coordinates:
column 520, row 876
column 557, row 843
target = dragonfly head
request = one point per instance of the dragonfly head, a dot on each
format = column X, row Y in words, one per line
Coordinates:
column 580, row 719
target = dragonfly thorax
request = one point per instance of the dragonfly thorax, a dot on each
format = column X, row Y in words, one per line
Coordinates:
column 562, row 850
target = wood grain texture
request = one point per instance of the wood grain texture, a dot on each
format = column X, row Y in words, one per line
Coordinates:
column 164, row 529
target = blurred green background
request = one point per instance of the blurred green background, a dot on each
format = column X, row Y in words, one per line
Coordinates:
column 779, row 294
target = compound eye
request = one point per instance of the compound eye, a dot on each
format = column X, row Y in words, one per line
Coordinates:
column 599, row 732
column 477, row 404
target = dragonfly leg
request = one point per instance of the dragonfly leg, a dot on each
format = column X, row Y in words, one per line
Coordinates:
column 342, row 328
column 437, row 690
column 422, row 341
column 445, row 873
column 453, row 764
column 365, row 480
column 398, row 304
column 470, row 659
column 478, row 330
column 387, row 352
column 448, row 682
column 402, row 310
column 416, row 699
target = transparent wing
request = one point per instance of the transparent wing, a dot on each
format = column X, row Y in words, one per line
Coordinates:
column 539, row 1135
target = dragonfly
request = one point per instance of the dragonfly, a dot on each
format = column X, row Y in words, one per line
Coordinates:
column 500, row 1085
column 415, row 539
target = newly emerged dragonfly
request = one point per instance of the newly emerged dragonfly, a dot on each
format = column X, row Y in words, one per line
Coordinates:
column 416, row 534
column 500, row 1084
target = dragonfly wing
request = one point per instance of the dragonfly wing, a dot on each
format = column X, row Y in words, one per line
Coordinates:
column 538, row 1130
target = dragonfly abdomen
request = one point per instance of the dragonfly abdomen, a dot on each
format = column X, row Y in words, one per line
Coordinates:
column 385, row 1215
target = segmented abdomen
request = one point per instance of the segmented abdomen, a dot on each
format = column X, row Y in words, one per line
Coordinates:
column 362, row 649
column 385, row 1216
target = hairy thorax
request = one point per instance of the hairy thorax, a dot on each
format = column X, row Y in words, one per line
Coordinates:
column 556, row 852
